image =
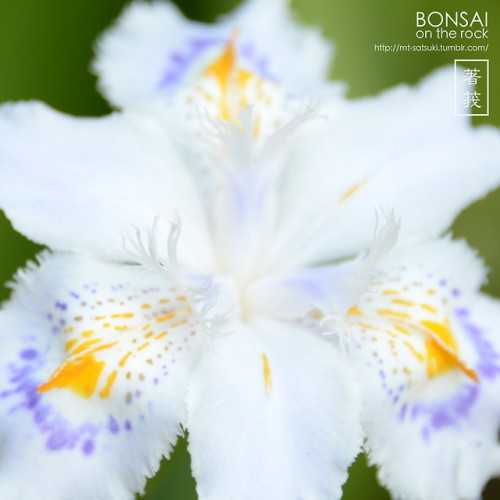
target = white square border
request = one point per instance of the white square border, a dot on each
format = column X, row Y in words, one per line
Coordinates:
column 487, row 87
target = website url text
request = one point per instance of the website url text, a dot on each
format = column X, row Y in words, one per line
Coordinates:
column 435, row 47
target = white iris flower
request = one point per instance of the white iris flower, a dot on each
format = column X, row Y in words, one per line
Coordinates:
column 213, row 267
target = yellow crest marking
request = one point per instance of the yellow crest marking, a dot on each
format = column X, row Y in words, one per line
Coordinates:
column 80, row 375
column 354, row 311
column 106, row 391
column 232, row 81
column 442, row 351
column 268, row 384
column 352, row 190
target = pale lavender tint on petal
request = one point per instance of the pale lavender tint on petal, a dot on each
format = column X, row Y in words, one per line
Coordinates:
column 179, row 61
column 489, row 360
column 305, row 285
column 449, row 412
column 249, row 201
column 113, row 426
column 259, row 63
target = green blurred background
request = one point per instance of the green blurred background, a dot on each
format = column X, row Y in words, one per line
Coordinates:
column 45, row 49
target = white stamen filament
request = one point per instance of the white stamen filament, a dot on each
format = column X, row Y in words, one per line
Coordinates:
column 201, row 294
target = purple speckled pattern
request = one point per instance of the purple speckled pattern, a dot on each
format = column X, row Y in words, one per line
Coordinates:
column 489, row 360
column 113, row 426
column 20, row 390
column 448, row 412
column 402, row 411
column 433, row 416
column 41, row 416
column 181, row 60
column 29, row 354
column 60, row 433
column 258, row 62
column 88, row 447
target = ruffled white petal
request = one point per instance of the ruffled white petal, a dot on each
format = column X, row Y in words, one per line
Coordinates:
column 87, row 183
column 426, row 347
column 94, row 366
column 272, row 415
column 323, row 293
column 404, row 150
column 295, row 55
column 153, row 49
